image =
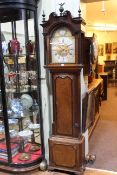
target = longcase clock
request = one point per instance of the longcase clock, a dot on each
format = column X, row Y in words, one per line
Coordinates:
column 63, row 38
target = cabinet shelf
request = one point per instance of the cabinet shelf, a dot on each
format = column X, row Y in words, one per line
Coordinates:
column 24, row 90
column 19, row 55
column 11, row 58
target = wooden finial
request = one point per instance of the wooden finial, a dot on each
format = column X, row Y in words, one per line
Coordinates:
column 43, row 15
column 79, row 12
column 61, row 9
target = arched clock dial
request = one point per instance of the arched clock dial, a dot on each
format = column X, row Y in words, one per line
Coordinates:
column 62, row 46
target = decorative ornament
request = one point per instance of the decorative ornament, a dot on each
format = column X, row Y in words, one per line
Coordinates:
column 79, row 13
column 61, row 9
column 29, row 47
column 43, row 15
column 43, row 165
column 14, row 46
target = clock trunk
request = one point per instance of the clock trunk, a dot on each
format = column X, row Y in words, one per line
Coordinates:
column 66, row 106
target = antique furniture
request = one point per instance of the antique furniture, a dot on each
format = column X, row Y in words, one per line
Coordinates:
column 21, row 132
column 111, row 68
column 104, row 76
column 95, row 91
column 64, row 43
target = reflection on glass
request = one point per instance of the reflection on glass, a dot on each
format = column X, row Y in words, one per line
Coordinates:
column 20, row 72
column 3, row 147
column 21, row 35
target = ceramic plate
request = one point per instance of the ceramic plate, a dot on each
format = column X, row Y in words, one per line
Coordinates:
column 25, row 133
column 33, row 126
column 26, row 101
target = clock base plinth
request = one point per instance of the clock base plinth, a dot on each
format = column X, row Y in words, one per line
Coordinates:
column 65, row 170
column 67, row 154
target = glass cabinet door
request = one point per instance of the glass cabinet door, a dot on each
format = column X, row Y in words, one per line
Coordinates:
column 20, row 133
column 3, row 144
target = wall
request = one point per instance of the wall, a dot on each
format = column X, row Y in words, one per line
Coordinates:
column 83, row 9
column 105, row 37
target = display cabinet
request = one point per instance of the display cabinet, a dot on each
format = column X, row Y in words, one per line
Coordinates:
column 104, row 76
column 21, row 132
column 110, row 67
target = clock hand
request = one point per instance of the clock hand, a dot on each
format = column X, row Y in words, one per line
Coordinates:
column 54, row 43
column 69, row 45
column 60, row 44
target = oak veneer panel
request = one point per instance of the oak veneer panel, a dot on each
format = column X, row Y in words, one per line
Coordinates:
column 64, row 105
column 64, row 155
column 66, row 152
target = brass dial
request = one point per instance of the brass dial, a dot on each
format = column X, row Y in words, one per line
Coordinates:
column 63, row 46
